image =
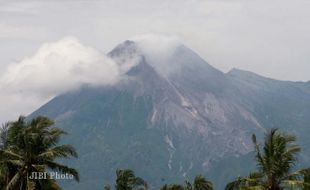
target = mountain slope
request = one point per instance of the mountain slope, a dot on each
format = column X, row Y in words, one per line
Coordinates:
column 171, row 117
column 277, row 104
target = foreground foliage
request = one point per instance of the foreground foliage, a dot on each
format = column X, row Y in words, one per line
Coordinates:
column 200, row 183
column 275, row 161
column 127, row 180
column 31, row 146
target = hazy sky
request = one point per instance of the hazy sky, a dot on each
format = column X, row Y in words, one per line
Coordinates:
column 271, row 37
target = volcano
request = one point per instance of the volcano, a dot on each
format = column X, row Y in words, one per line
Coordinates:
column 173, row 116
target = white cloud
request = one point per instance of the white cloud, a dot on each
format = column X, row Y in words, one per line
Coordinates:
column 55, row 68
column 158, row 49
column 66, row 65
column 159, row 45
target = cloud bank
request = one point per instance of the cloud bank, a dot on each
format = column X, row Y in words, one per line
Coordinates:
column 66, row 65
column 55, row 68
column 157, row 45
column 158, row 49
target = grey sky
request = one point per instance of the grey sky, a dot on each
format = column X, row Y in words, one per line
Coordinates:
column 270, row 37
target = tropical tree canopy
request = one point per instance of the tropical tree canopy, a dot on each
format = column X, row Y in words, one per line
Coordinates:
column 126, row 180
column 200, row 183
column 32, row 146
column 306, row 176
column 275, row 161
column 172, row 187
column 107, row 187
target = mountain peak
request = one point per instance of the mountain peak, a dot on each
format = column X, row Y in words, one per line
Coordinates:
column 128, row 47
column 167, row 55
column 158, row 43
column 148, row 45
column 157, row 46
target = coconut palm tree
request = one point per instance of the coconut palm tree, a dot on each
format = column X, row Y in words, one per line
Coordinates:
column 3, row 145
column 253, row 181
column 306, row 178
column 200, row 183
column 107, row 187
column 126, row 180
column 32, row 147
column 275, row 162
column 3, row 135
column 172, row 187
column 2, row 178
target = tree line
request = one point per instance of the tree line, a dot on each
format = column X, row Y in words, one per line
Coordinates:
column 33, row 146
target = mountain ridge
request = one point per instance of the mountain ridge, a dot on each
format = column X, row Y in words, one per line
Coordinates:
column 175, row 123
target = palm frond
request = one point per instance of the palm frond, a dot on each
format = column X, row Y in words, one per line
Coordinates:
column 63, row 169
column 63, row 151
column 13, row 182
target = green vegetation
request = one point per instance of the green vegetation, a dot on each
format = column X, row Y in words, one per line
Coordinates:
column 200, row 183
column 275, row 162
column 28, row 147
column 172, row 187
column 127, row 180
column 32, row 146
